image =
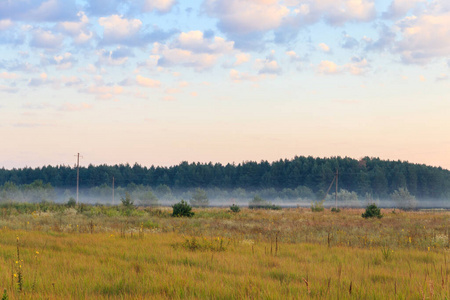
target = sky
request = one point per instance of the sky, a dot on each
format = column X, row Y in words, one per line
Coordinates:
column 158, row 82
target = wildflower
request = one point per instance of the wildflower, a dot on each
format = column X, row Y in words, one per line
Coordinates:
column 15, row 275
column 37, row 252
column 428, row 248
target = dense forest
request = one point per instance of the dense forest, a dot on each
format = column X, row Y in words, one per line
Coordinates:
column 367, row 177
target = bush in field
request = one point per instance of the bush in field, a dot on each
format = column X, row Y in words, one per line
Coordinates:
column 317, row 206
column 72, row 202
column 335, row 210
column 404, row 199
column 182, row 209
column 149, row 199
column 235, row 208
column 372, row 211
column 127, row 202
column 258, row 202
column 199, row 198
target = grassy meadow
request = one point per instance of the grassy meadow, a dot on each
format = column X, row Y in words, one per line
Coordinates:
column 99, row 252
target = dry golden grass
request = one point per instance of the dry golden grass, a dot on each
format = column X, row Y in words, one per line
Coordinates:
column 286, row 254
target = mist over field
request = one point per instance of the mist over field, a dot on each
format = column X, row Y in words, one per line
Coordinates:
column 215, row 197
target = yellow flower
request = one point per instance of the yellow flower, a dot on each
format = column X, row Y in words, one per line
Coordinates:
column 37, row 252
column 15, row 275
column 428, row 248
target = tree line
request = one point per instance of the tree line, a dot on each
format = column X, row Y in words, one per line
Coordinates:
column 366, row 176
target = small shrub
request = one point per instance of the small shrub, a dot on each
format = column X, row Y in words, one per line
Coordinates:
column 235, row 208
column 199, row 198
column 72, row 202
column 372, row 211
column 127, row 202
column 182, row 209
column 258, row 203
column 335, row 210
column 317, row 206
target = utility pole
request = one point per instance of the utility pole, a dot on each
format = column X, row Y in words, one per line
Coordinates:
column 78, row 173
column 113, row 191
column 337, row 179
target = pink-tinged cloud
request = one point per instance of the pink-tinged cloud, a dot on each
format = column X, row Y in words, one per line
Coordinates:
column 424, row 37
column 192, row 49
column 162, row 6
column 196, row 42
column 5, row 24
column 118, row 30
column 241, row 58
column 243, row 17
column 327, row 67
column 237, row 76
column 268, row 66
column 78, row 30
column 246, row 16
column 103, row 92
column 6, row 75
column 46, row 39
column 356, row 66
column 399, row 8
column 147, row 82
column 324, row 47
column 38, row 10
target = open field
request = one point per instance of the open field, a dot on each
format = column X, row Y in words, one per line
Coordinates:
column 104, row 252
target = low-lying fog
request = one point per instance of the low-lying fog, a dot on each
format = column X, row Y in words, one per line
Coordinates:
column 215, row 198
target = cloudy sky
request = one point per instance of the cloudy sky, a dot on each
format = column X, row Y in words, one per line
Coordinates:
column 163, row 81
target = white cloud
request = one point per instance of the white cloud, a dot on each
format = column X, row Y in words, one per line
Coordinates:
column 6, row 75
column 116, row 57
column 147, row 82
column 328, row 68
column 241, row 58
column 5, row 24
column 192, row 49
column 196, row 42
column 104, row 92
column 424, row 37
column 78, row 30
column 237, row 76
column 245, row 16
column 268, row 66
column 292, row 55
column 46, row 39
column 356, row 66
column 118, row 30
column 324, row 47
column 38, row 10
column 399, row 8
column 64, row 61
column 163, row 6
